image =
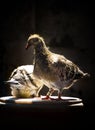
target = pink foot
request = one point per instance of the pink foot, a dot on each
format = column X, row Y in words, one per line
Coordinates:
column 51, row 98
column 45, row 97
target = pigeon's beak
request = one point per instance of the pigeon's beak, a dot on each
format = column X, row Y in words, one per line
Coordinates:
column 27, row 46
column 12, row 81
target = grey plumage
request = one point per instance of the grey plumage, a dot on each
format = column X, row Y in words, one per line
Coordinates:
column 23, row 83
column 54, row 70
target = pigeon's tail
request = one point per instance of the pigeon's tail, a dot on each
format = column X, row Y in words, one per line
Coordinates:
column 86, row 75
column 81, row 74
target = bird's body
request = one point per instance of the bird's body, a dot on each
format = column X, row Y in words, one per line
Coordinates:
column 54, row 70
column 23, row 83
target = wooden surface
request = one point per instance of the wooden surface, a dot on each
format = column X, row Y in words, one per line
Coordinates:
column 36, row 114
column 39, row 102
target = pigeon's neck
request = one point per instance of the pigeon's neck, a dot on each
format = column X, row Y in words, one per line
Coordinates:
column 41, row 57
column 41, row 52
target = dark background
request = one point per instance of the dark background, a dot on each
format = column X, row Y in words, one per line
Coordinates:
column 68, row 29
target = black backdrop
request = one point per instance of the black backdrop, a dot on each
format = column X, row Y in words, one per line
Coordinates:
column 68, row 25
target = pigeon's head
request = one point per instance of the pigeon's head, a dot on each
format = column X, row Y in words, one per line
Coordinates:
column 34, row 40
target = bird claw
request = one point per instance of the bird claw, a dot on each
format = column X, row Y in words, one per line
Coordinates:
column 45, row 97
column 54, row 98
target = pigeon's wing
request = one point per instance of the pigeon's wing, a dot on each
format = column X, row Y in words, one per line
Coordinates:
column 64, row 68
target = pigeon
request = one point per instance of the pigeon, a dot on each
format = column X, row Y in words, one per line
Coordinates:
column 22, row 82
column 54, row 70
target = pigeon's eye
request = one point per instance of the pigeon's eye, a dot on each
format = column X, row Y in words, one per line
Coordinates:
column 35, row 40
column 29, row 41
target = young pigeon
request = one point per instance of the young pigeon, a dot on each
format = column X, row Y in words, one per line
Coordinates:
column 23, row 83
column 54, row 70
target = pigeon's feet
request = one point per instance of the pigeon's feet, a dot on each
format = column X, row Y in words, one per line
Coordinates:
column 45, row 97
column 53, row 98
